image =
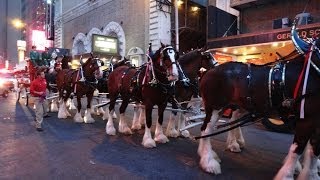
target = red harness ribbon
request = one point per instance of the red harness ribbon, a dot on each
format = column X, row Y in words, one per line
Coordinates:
column 296, row 89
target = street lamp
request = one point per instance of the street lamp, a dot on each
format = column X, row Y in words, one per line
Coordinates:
column 21, row 44
column 17, row 23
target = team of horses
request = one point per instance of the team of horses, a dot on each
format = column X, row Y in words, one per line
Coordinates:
column 245, row 88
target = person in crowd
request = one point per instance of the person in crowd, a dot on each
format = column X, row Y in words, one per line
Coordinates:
column 45, row 56
column 34, row 56
column 38, row 90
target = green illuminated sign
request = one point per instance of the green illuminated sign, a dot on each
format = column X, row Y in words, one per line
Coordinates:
column 104, row 44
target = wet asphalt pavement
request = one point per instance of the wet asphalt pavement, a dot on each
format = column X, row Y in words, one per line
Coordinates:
column 67, row 150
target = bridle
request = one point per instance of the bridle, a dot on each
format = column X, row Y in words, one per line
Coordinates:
column 170, row 49
column 208, row 53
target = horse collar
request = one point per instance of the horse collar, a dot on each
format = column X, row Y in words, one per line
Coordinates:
column 276, row 84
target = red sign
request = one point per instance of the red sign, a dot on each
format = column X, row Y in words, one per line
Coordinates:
column 303, row 33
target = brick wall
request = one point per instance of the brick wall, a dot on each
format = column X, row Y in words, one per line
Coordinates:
column 260, row 17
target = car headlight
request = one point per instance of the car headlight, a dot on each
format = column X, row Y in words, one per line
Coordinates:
column 2, row 81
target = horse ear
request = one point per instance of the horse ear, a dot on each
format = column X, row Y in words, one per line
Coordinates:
column 162, row 45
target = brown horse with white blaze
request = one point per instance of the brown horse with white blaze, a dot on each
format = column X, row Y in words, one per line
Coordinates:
column 68, row 81
column 152, row 84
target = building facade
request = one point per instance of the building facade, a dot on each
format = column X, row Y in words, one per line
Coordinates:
column 17, row 39
column 263, row 31
column 133, row 23
column 9, row 10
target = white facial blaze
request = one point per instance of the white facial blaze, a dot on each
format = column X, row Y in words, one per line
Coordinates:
column 174, row 69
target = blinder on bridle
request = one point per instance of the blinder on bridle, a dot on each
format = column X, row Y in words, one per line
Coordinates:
column 208, row 56
column 98, row 61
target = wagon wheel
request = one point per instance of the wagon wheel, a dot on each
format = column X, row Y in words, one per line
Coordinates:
column 276, row 124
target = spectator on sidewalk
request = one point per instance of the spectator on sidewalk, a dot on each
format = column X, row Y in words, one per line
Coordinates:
column 38, row 90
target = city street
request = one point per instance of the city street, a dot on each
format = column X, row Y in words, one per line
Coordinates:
column 66, row 150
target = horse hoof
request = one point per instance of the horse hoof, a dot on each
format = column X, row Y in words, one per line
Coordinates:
column 136, row 127
column 149, row 143
column 210, row 166
column 89, row 121
column 161, row 139
column 234, row 147
column 185, row 134
column 110, row 130
column 62, row 116
column 173, row 133
column 125, row 130
column 78, row 120
column 241, row 143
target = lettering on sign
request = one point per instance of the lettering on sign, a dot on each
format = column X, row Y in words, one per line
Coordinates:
column 303, row 33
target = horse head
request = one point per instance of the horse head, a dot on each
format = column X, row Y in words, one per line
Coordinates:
column 207, row 60
column 92, row 68
column 165, row 60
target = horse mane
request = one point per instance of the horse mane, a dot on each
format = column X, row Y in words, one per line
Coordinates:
column 155, row 56
column 185, row 59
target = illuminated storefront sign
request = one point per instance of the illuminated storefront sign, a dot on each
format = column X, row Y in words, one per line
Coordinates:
column 104, row 44
column 39, row 40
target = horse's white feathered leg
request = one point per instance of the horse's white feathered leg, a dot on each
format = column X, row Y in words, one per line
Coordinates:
column 78, row 118
column 310, row 170
column 106, row 114
column 71, row 104
column 159, row 136
column 287, row 169
column 54, row 106
column 62, row 110
column 171, row 128
column 181, row 125
column 135, row 122
column 142, row 117
column 235, row 135
column 100, row 111
column 147, row 140
column 123, row 126
column 87, row 116
column 110, row 130
column 208, row 161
